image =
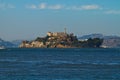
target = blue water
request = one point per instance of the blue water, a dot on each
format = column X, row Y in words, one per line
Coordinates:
column 60, row 64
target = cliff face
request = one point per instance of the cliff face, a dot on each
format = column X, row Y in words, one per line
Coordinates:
column 52, row 40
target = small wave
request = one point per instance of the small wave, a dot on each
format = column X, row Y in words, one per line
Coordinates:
column 31, row 61
column 61, row 62
column 84, row 62
column 15, row 60
column 106, row 63
column 8, row 60
column 98, row 62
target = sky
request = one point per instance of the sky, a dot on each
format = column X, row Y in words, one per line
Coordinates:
column 28, row 19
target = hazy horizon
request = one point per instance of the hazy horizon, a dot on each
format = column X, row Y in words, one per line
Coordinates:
column 28, row 19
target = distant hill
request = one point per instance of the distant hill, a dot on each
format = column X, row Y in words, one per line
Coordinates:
column 109, row 41
column 6, row 44
column 12, row 44
column 98, row 36
column 91, row 36
column 17, row 42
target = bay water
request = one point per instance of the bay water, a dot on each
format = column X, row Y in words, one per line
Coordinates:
column 60, row 64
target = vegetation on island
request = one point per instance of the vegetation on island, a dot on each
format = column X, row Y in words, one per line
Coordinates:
column 61, row 40
column 91, row 43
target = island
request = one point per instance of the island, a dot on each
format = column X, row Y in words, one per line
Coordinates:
column 61, row 40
